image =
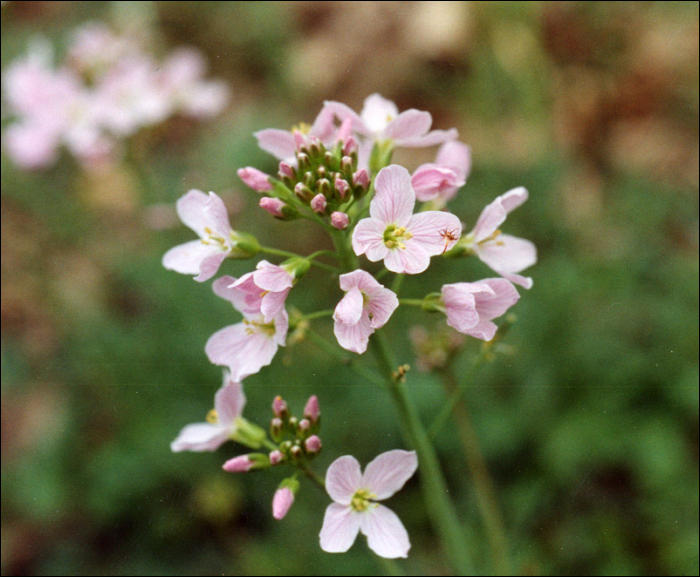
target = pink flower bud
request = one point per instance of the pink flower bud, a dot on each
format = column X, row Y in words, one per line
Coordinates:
column 342, row 186
column 346, row 164
column 304, row 425
column 340, row 220
column 286, row 170
column 318, row 203
column 273, row 205
column 349, row 146
column 241, row 464
column 299, row 140
column 279, row 407
column 361, row 178
column 303, row 191
column 282, row 502
column 276, row 457
column 312, row 410
column 313, row 444
column 255, row 179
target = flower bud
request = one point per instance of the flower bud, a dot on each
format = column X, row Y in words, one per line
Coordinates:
column 295, row 452
column 276, row 457
column 361, row 179
column 313, row 444
column 255, row 179
column 312, row 410
column 328, row 158
column 342, row 186
column 319, row 203
column 243, row 245
column 340, row 220
column 349, row 146
column 278, row 208
column 304, row 425
column 321, row 171
column 346, row 164
column 279, row 407
column 276, row 429
column 281, row 502
column 303, row 160
column 323, row 186
column 244, row 463
column 303, row 191
column 293, row 423
column 286, row 170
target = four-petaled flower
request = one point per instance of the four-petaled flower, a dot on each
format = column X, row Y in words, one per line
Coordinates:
column 249, row 345
column 366, row 306
column 507, row 255
column 471, row 306
column 442, row 179
column 206, row 215
column 270, row 283
column 405, row 241
column 356, row 509
column 222, row 421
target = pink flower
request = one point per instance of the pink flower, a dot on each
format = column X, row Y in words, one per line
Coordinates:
column 366, row 306
column 282, row 502
column 221, row 424
column 355, row 508
column 405, row 241
column 312, row 410
column 270, row 283
column 250, row 345
column 442, row 179
column 340, row 220
column 255, row 179
column 206, row 215
column 505, row 254
column 471, row 306
column 380, row 120
column 313, row 444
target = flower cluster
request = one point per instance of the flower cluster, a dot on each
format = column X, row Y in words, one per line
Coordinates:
column 337, row 173
column 105, row 90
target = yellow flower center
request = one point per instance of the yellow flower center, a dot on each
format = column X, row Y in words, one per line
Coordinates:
column 213, row 238
column 362, row 500
column 256, row 326
column 396, row 236
column 492, row 238
column 213, row 417
column 302, row 127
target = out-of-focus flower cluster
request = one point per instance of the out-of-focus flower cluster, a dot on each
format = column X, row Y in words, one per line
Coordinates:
column 106, row 88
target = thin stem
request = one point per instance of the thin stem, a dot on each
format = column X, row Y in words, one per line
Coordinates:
column 319, row 253
column 435, row 492
column 390, row 566
column 313, row 475
column 412, row 302
column 397, row 282
column 285, row 253
column 320, row 342
column 347, row 256
column 483, row 485
column 316, row 315
column 269, row 445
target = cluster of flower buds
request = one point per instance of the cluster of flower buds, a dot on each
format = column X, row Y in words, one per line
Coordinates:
column 297, row 438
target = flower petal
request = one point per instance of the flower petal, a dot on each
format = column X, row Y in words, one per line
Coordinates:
column 514, row 198
column 394, row 200
column 386, row 535
column 381, row 305
column 388, row 472
column 523, row 281
column 377, row 112
column 507, row 253
column 343, row 478
column 493, row 216
column 435, row 231
column 217, row 216
column 343, row 112
column 409, row 124
column 430, row 180
column 349, row 309
column 456, row 156
column 279, row 143
column 494, row 303
column 412, row 260
column 200, row 437
column 229, row 401
column 243, row 294
column 190, row 209
column 368, row 237
column 484, row 330
column 186, row 258
column 340, row 527
column 354, row 337
column 273, row 304
column 460, row 306
column 243, row 352
column 210, row 265
column 271, row 277
column 431, row 139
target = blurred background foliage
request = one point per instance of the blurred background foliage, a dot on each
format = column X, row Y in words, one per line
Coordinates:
column 589, row 425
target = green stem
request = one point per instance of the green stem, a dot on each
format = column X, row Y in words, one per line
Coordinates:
column 412, row 302
column 345, row 253
column 313, row 475
column 390, row 566
column 396, row 283
column 316, row 315
column 435, row 492
column 483, row 485
column 287, row 254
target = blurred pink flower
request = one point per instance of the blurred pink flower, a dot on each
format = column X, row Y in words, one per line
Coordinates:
column 471, row 306
column 248, row 346
column 356, row 509
column 507, row 255
column 221, row 422
column 405, row 241
column 366, row 306
column 282, row 502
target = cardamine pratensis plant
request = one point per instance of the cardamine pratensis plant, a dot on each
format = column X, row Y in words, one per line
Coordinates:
column 337, row 173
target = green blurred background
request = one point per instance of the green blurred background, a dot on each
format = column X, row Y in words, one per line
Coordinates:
column 589, row 425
